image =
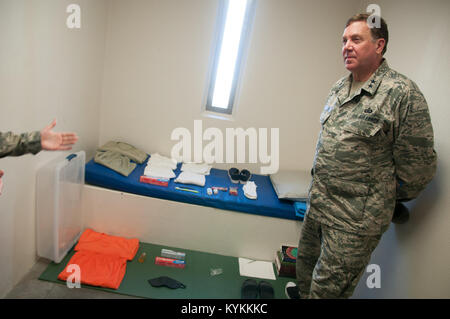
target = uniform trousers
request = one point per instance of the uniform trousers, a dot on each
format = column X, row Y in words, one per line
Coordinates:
column 330, row 262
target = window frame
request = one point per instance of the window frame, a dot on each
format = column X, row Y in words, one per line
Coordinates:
column 242, row 52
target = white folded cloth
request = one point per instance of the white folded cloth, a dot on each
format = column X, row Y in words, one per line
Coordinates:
column 162, row 161
column 159, row 171
column 250, row 190
column 197, row 168
column 191, row 178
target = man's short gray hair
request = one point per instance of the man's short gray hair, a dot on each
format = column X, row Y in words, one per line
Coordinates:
column 377, row 33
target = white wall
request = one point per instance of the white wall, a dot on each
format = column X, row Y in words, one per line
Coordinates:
column 157, row 59
column 46, row 71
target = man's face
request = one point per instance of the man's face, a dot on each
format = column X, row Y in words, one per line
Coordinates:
column 359, row 50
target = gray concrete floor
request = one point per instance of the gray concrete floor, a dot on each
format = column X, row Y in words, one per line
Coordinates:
column 30, row 287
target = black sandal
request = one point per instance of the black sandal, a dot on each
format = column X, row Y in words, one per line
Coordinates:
column 249, row 289
column 266, row 290
column 233, row 173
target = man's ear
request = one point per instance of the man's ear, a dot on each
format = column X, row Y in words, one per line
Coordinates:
column 380, row 45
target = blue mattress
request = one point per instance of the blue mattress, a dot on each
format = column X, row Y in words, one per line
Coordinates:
column 266, row 204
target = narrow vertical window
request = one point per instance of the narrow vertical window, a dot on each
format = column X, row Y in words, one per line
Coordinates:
column 233, row 32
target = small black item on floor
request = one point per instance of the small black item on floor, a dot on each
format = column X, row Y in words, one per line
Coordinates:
column 292, row 291
column 249, row 289
column 167, row 282
column 401, row 214
column 266, row 290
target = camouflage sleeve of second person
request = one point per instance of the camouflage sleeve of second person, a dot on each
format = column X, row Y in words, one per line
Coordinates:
column 18, row 144
column 414, row 154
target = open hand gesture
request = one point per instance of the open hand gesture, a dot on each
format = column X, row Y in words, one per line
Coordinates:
column 54, row 141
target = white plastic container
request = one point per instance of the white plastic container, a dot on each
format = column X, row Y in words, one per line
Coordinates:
column 58, row 205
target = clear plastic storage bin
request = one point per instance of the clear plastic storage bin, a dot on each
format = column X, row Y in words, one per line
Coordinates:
column 59, row 186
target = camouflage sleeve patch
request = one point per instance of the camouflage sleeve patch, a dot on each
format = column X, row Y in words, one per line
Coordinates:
column 15, row 145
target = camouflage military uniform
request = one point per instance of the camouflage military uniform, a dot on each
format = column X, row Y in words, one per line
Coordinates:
column 374, row 147
column 16, row 145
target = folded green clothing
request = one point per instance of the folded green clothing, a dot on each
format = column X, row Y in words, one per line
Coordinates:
column 126, row 149
column 115, row 161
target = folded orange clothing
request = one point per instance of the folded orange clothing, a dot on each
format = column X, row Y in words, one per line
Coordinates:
column 106, row 244
column 97, row 269
column 102, row 259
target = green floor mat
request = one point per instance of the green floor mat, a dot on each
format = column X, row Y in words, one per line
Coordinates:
column 195, row 276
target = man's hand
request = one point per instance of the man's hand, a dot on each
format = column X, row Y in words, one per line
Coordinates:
column 401, row 214
column 53, row 141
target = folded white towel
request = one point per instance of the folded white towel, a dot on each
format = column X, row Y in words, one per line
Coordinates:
column 202, row 169
column 158, row 171
column 191, row 178
column 162, row 161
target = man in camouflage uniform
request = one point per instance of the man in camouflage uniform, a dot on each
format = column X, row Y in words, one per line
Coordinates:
column 375, row 148
column 16, row 145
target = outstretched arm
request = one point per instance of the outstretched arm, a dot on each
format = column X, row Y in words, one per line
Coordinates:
column 16, row 145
